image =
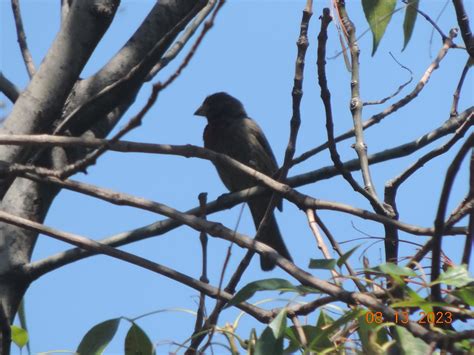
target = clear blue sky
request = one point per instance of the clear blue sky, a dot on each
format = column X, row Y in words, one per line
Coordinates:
column 250, row 53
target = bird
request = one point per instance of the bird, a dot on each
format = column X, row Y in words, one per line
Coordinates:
column 230, row 131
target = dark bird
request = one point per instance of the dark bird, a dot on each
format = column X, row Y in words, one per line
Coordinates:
column 230, row 131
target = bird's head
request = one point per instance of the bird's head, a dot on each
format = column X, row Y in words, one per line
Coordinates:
column 221, row 106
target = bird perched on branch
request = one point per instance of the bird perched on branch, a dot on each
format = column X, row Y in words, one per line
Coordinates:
column 230, row 131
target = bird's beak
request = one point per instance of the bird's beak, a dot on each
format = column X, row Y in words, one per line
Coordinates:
column 201, row 111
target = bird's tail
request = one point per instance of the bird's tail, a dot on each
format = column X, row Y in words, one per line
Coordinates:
column 270, row 235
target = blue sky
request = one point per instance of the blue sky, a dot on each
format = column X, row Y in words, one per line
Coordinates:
column 250, row 53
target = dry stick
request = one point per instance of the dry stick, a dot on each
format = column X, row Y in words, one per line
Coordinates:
column 337, row 248
column 463, row 22
column 439, row 221
column 203, row 239
column 326, row 98
column 320, row 242
column 377, row 118
column 20, row 31
column 457, row 93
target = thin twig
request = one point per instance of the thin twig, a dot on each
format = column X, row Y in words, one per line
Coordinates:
column 466, row 256
column 326, row 98
column 20, row 31
column 377, row 118
column 439, row 221
column 430, row 20
column 299, row 331
column 180, row 42
column 96, row 247
column 295, row 122
column 137, row 119
column 203, row 239
column 457, row 93
column 392, row 186
column 320, row 242
column 463, row 209
column 337, row 248
column 400, row 88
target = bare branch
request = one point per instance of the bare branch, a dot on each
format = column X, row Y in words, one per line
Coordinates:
column 439, row 221
column 179, row 44
column 8, row 88
column 310, row 215
column 463, row 22
column 157, row 88
column 356, row 107
column 88, row 21
column 326, row 98
column 457, row 93
column 20, row 31
column 447, row 44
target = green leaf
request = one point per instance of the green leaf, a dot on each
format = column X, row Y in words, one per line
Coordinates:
column 19, row 336
column 409, row 345
column 268, row 344
column 327, row 264
column 310, row 332
column 271, row 340
column 409, row 21
column 98, row 337
column 372, row 336
column 455, row 276
column 395, row 270
column 262, row 285
column 378, row 14
column 413, row 299
column 319, row 342
column 466, row 294
column 346, row 256
column 22, row 318
column 278, row 325
column 137, row 342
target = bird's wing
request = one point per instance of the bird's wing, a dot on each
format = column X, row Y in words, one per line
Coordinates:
column 263, row 153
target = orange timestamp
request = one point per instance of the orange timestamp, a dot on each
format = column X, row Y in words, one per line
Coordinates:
column 403, row 318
